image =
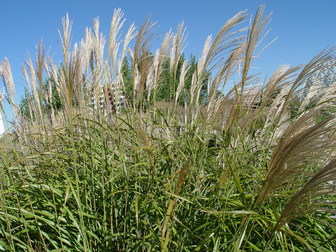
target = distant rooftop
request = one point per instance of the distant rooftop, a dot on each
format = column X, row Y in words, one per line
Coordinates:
column 322, row 79
column 326, row 75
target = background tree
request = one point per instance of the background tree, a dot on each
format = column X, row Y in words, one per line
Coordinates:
column 168, row 81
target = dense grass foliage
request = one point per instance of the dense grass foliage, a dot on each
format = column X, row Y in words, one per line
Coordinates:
column 118, row 187
column 252, row 169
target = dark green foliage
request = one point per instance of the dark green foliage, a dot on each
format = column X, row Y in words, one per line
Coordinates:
column 168, row 82
column 24, row 104
column 27, row 102
column 127, row 78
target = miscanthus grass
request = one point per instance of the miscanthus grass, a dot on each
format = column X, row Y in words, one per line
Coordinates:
column 180, row 166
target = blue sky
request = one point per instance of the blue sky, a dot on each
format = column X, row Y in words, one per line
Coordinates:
column 303, row 27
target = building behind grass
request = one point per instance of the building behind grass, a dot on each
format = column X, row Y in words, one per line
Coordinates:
column 110, row 98
column 322, row 80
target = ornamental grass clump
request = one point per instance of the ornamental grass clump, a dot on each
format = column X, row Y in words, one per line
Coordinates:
column 179, row 165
